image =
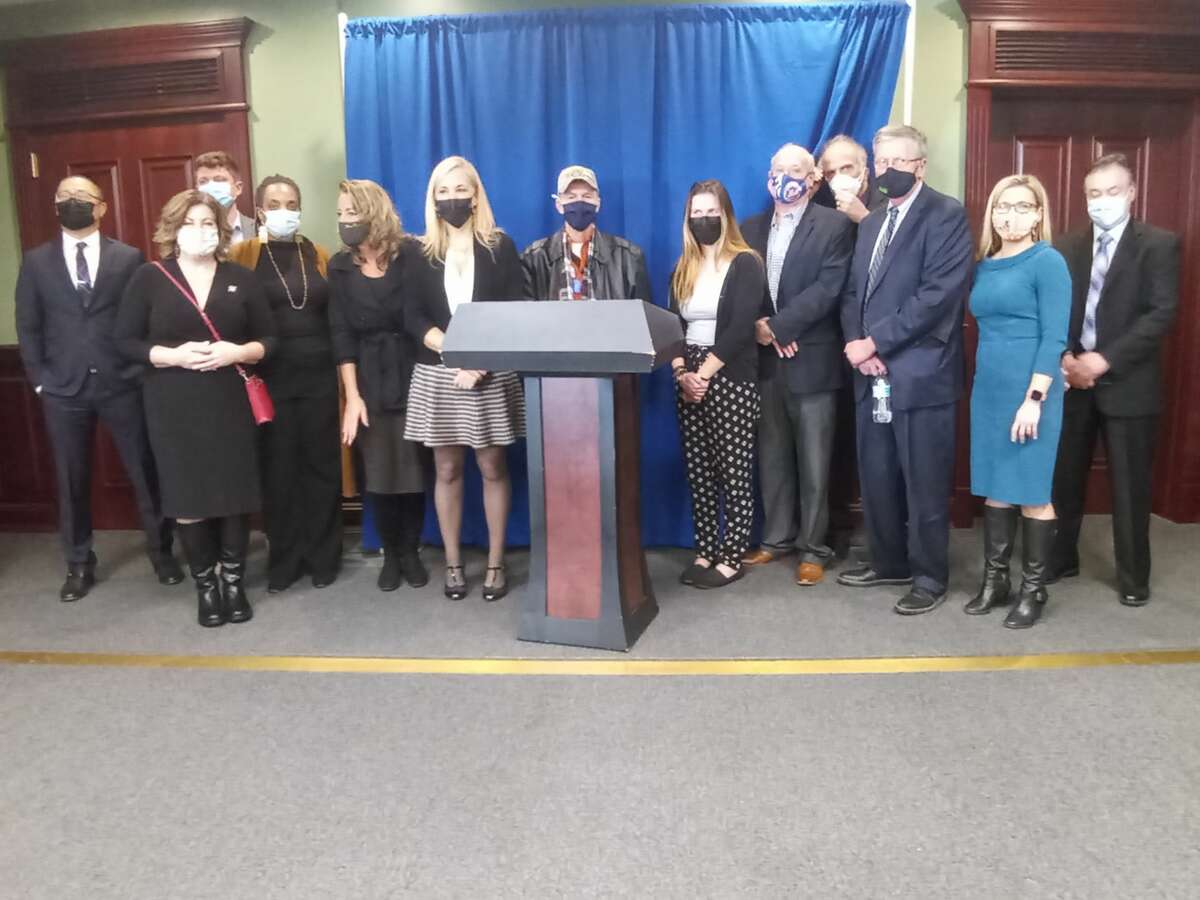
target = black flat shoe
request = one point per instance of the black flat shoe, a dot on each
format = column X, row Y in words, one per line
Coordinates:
column 456, row 584
column 712, row 578
column 168, row 570
column 494, row 591
column 323, row 581
column 279, row 585
column 918, row 601
column 689, row 575
column 81, row 578
column 1135, row 599
column 1057, row 575
column 865, row 576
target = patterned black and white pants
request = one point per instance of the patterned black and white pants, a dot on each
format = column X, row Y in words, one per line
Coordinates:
column 719, row 435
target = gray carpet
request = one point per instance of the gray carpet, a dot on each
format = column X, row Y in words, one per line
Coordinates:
column 224, row 785
column 764, row 615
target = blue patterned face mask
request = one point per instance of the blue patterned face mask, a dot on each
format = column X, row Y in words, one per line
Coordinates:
column 787, row 189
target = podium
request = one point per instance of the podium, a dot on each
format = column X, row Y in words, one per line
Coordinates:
column 588, row 583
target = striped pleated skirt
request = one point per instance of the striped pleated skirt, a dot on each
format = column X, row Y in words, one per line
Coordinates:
column 492, row 414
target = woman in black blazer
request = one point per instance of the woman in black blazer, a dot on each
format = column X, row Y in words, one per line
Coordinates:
column 717, row 289
column 464, row 257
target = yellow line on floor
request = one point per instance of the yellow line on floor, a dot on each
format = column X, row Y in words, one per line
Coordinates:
column 606, row 666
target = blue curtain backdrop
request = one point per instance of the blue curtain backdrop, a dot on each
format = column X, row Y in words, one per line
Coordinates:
column 652, row 98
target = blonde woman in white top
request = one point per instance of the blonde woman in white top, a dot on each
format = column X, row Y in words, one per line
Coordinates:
column 464, row 258
column 717, row 289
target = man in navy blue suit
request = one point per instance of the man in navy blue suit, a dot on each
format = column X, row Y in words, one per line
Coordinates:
column 902, row 315
column 67, row 295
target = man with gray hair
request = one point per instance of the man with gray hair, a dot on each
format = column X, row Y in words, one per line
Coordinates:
column 807, row 252
column 902, row 315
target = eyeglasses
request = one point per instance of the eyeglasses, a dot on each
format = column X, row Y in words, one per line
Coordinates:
column 890, row 163
column 1023, row 208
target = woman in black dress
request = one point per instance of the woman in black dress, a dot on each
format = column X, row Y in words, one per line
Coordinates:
column 198, row 415
column 465, row 257
column 368, row 285
column 301, row 463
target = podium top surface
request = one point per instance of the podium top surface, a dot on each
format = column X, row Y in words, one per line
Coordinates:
column 562, row 337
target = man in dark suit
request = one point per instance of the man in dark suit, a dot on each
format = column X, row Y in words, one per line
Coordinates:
column 806, row 249
column 846, row 183
column 1125, row 276
column 902, row 315
column 68, row 291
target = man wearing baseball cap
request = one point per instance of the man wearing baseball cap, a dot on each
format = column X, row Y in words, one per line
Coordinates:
column 580, row 262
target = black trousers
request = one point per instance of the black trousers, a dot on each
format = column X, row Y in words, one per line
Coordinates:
column 302, row 481
column 719, row 434
column 1129, row 441
column 71, row 423
column 907, row 472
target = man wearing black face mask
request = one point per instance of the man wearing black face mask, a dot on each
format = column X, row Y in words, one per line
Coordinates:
column 67, row 295
column 580, row 262
column 902, row 315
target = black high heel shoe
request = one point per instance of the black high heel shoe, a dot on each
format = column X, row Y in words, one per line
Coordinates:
column 456, row 585
column 493, row 592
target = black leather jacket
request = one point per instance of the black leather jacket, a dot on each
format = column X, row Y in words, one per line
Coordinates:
column 617, row 266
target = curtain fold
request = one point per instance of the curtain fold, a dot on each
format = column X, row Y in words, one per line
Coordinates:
column 652, row 98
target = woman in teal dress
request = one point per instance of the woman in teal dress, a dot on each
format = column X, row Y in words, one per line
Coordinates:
column 1021, row 300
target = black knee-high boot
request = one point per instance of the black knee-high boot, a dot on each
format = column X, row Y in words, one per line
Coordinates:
column 1037, row 542
column 200, row 543
column 235, row 541
column 999, row 534
column 389, row 519
column 412, row 519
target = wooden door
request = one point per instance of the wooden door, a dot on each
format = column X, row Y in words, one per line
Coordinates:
column 1055, row 137
column 130, row 109
column 138, row 166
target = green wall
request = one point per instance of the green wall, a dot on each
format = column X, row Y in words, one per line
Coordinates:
column 295, row 88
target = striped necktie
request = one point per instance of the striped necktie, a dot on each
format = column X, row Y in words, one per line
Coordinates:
column 83, row 278
column 881, row 251
column 1100, row 264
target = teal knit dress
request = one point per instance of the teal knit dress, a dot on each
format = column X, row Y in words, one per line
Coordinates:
column 1023, row 307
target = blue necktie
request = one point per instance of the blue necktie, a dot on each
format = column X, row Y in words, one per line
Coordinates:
column 1100, row 264
column 881, row 251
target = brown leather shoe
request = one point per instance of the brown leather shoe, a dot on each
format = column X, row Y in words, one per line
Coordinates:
column 809, row 573
column 759, row 557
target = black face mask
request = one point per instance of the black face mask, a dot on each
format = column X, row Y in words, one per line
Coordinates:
column 353, row 233
column 75, row 215
column 705, row 229
column 580, row 214
column 455, row 211
column 894, row 183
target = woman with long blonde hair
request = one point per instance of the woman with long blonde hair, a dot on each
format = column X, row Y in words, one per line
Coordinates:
column 717, row 290
column 1021, row 300
column 465, row 258
column 369, row 295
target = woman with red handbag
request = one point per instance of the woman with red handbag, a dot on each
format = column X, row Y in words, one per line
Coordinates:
column 199, row 321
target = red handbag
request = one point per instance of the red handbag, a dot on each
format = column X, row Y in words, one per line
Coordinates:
column 261, row 404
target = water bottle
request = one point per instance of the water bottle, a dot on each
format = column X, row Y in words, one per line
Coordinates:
column 881, row 394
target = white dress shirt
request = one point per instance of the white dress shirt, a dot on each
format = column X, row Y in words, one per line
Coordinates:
column 902, row 211
column 91, row 253
column 459, row 281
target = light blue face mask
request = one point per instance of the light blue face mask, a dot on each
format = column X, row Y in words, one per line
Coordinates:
column 219, row 191
column 282, row 224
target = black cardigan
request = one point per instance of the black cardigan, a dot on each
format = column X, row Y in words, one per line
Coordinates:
column 367, row 327
column 498, row 276
column 737, row 310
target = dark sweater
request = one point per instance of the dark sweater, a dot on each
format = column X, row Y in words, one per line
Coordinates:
column 737, row 310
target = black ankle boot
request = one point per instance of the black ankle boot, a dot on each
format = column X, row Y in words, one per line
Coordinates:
column 412, row 518
column 235, row 541
column 1037, row 542
column 999, row 533
column 199, row 541
column 390, row 576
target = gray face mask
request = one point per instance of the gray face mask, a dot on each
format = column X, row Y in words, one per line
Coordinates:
column 353, row 233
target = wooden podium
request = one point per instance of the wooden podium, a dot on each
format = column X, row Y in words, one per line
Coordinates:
column 588, row 584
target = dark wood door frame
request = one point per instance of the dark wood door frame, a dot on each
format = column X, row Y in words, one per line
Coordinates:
column 1104, row 45
column 98, row 82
